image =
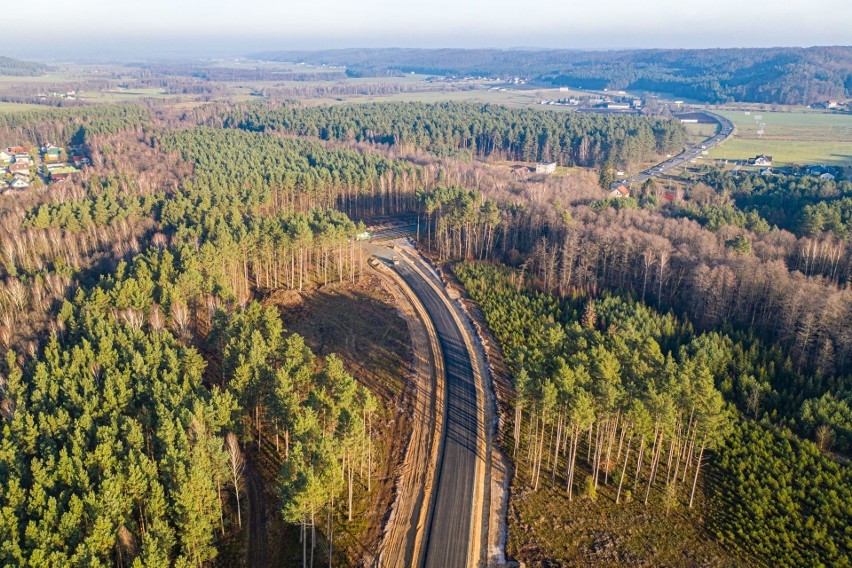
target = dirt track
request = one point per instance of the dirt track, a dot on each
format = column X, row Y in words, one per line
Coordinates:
column 256, row 548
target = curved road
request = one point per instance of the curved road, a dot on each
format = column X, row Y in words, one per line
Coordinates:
column 448, row 538
column 725, row 132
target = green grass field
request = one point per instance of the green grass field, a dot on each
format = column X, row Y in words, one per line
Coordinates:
column 790, row 137
column 696, row 133
column 59, row 77
column 121, row 95
column 17, row 107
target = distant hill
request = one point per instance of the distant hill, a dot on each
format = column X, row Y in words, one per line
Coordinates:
column 9, row 66
column 785, row 75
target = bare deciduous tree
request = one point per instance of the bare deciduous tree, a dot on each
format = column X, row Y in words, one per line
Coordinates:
column 237, row 465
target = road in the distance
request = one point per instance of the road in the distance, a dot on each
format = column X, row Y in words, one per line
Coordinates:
column 448, row 536
column 725, row 131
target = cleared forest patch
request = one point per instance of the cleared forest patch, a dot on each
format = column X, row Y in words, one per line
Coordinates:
column 361, row 325
column 546, row 529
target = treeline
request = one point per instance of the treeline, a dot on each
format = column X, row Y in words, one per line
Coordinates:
column 223, row 73
column 106, row 201
column 638, row 376
column 770, row 75
column 753, row 281
column 70, row 125
column 262, row 169
column 343, row 89
column 608, row 381
column 480, row 130
column 237, row 207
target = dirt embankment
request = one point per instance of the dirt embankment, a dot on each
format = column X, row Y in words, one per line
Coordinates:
column 402, row 539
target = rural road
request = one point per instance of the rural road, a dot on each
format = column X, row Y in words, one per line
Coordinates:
column 452, row 534
column 725, row 131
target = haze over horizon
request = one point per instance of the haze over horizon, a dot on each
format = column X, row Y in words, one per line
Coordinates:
column 104, row 29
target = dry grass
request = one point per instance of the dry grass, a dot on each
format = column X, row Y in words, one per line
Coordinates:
column 546, row 529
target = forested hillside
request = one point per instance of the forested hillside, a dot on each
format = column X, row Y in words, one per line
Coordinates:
column 788, row 290
column 72, row 126
column 458, row 129
column 806, row 205
column 16, row 67
column 776, row 75
column 611, row 376
column 115, row 451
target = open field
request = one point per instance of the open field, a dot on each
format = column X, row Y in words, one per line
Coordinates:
column 123, row 95
column 603, row 533
column 18, row 107
column 59, row 77
column 696, row 133
column 790, row 138
column 606, row 534
column 509, row 97
column 477, row 91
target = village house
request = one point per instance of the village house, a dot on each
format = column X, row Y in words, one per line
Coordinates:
column 620, row 191
column 18, row 168
column 53, row 154
column 761, row 160
column 19, row 183
column 62, row 173
column 547, row 168
column 23, row 159
column 5, row 156
column 80, row 161
column 827, row 175
column 820, row 170
column 17, row 150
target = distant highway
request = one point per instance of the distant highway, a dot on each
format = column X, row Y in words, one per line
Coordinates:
column 725, row 132
column 448, row 535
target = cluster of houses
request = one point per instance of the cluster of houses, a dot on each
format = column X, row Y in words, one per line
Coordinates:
column 599, row 103
column 50, row 162
column 831, row 104
column 18, row 163
column 68, row 95
column 822, row 172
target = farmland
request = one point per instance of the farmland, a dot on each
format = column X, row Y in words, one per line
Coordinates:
column 790, row 138
column 17, row 107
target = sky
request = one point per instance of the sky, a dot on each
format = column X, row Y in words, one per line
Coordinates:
column 238, row 27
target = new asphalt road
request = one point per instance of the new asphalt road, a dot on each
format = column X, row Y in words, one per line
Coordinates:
column 448, row 536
